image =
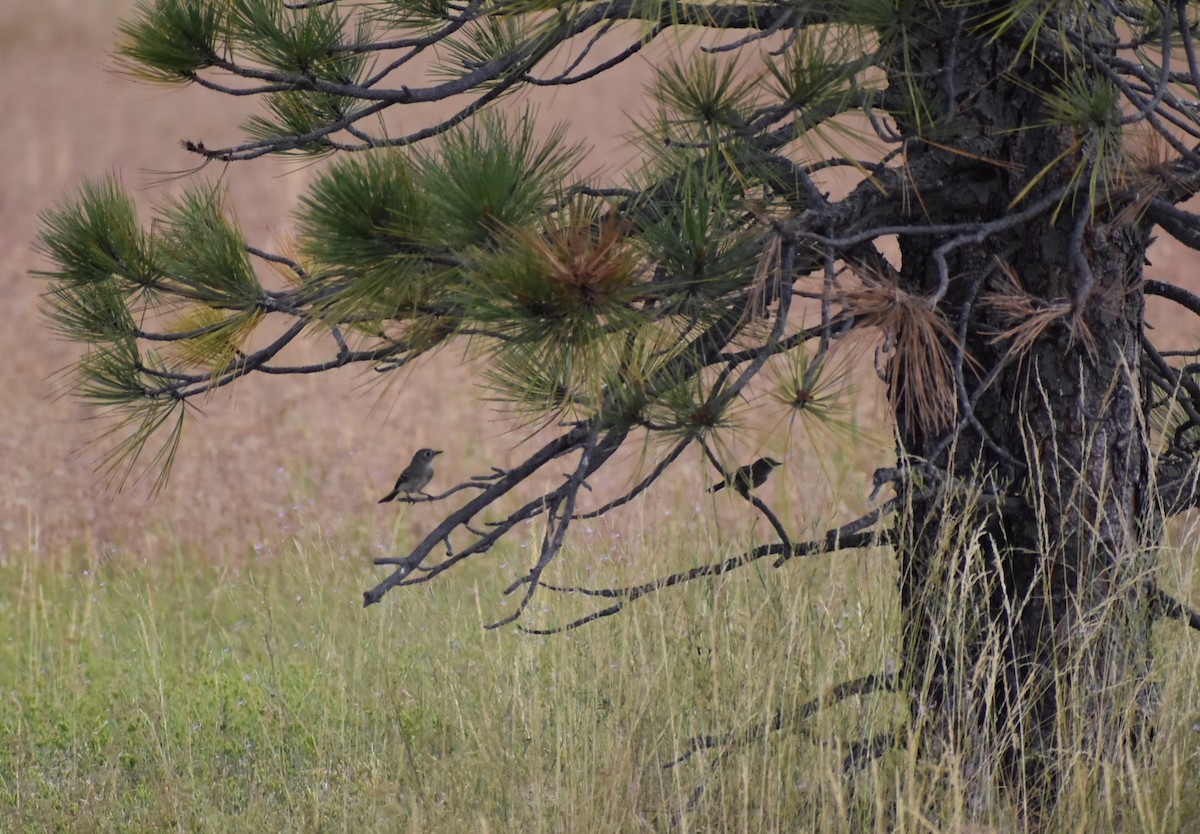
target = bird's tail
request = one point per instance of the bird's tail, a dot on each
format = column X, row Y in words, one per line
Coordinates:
column 717, row 486
column 389, row 496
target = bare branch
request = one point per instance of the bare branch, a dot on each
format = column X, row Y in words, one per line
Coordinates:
column 556, row 448
column 833, row 540
column 643, row 485
column 866, row 685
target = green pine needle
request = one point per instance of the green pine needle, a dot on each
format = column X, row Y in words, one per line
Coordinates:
column 95, row 236
column 492, row 175
column 168, row 41
column 301, row 40
column 91, row 313
column 204, row 253
column 365, row 230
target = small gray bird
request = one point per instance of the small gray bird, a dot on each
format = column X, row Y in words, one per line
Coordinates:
column 748, row 477
column 416, row 475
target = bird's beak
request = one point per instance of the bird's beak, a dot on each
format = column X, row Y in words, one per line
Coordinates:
column 436, row 452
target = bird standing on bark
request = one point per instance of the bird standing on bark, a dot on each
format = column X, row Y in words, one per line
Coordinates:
column 748, row 477
column 415, row 476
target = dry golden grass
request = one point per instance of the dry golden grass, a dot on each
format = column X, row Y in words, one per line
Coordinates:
column 271, row 453
column 273, row 450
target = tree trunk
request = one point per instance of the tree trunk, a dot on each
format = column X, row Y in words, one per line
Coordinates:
column 1023, row 565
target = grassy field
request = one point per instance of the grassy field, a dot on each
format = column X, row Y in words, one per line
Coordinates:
column 197, row 696
column 200, row 661
column 255, row 694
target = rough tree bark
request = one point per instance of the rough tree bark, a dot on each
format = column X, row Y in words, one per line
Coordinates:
column 1022, row 578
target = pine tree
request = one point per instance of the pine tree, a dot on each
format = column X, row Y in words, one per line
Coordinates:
column 1022, row 153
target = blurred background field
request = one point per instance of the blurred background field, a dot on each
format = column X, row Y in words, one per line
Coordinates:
column 263, row 456
column 199, row 660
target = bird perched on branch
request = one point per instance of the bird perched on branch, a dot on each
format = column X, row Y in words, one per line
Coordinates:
column 748, row 477
column 415, row 476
